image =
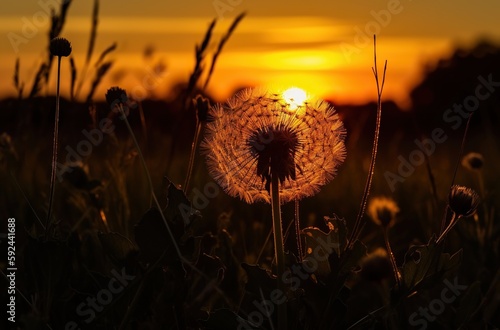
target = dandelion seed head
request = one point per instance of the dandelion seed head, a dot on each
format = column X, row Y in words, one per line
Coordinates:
column 255, row 135
column 60, row 47
column 382, row 211
column 463, row 201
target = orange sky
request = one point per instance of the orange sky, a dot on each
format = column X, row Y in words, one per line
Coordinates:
column 320, row 46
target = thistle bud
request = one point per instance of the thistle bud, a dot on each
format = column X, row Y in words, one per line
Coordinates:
column 463, row 201
column 60, row 47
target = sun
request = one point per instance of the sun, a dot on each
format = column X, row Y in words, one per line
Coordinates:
column 295, row 97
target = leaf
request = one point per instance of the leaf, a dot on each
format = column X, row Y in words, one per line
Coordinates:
column 352, row 260
column 180, row 211
column 320, row 244
column 259, row 281
column 425, row 264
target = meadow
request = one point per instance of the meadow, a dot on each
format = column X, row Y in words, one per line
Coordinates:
column 139, row 234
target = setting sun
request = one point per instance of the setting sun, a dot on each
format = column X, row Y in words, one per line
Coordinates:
column 295, row 96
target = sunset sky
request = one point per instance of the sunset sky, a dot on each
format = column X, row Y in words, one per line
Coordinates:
column 320, row 46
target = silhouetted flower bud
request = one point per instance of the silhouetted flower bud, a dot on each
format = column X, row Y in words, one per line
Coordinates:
column 463, row 201
column 60, row 47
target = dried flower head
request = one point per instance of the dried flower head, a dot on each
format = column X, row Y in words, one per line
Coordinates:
column 473, row 161
column 255, row 135
column 116, row 95
column 382, row 211
column 463, row 201
column 60, row 47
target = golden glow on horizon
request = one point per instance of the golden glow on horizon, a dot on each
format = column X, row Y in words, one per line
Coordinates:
column 295, row 97
column 271, row 50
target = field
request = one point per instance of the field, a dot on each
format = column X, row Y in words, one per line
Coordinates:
column 132, row 240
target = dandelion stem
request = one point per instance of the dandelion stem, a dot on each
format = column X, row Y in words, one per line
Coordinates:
column 54, row 148
column 278, row 247
column 297, row 230
column 397, row 274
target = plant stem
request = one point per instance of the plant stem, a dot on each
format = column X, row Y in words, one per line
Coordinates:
column 143, row 161
column 192, row 155
column 358, row 225
column 297, row 230
column 395, row 270
column 278, row 248
column 452, row 223
column 54, row 148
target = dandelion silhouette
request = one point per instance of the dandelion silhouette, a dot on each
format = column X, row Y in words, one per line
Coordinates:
column 256, row 135
column 262, row 147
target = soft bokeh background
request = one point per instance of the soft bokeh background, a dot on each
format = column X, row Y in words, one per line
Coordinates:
column 322, row 46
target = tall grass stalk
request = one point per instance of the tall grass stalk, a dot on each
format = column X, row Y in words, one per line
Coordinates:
column 358, row 225
column 192, row 155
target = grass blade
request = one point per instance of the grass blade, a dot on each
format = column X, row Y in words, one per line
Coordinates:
column 223, row 41
column 73, row 77
column 101, row 72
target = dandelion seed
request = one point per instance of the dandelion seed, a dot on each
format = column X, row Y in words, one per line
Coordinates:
column 256, row 134
column 463, row 201
column 473, row 161
column 382, row 211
